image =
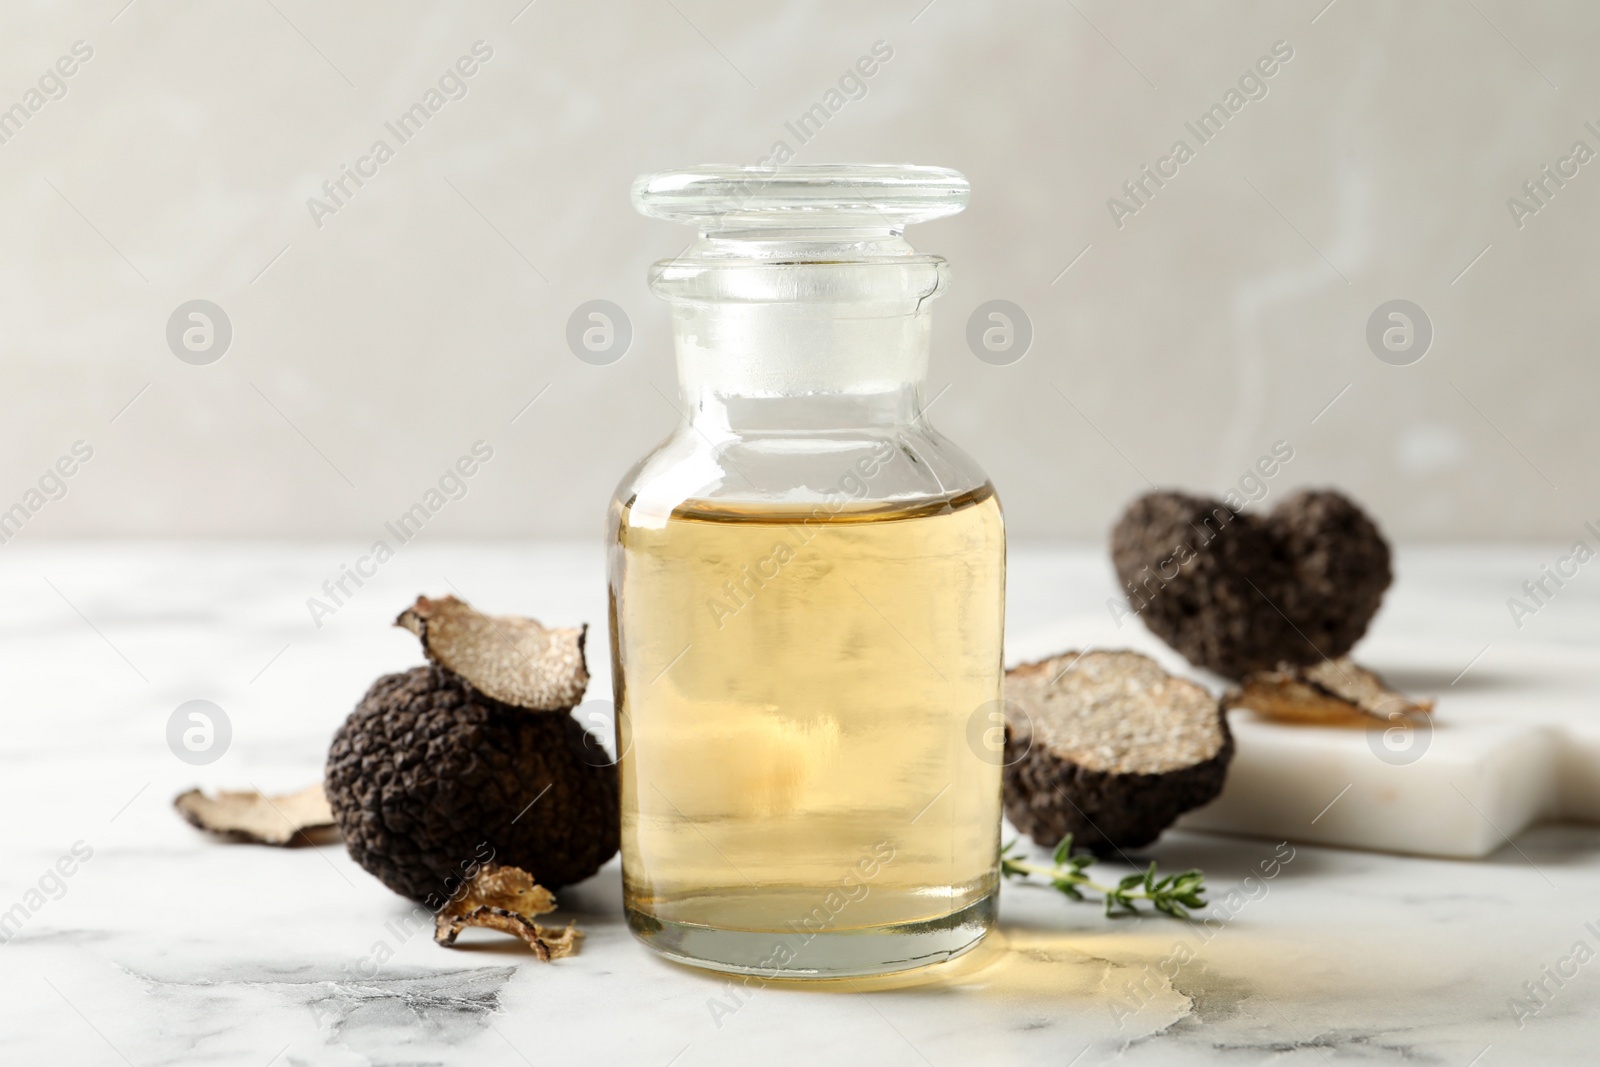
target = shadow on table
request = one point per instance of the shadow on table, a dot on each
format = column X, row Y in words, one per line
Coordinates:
column 1434, row 682
column 594, row 902
column 1548, row 845
column 1226, row 859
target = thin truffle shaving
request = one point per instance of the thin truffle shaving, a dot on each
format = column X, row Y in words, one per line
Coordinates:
column 246, row 815
column 506, row 899
column 515, row 660
column 1334, row 692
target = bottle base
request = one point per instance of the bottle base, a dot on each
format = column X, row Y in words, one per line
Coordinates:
column 802, row 953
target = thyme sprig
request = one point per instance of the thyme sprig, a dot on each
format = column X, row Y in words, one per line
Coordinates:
column 1172, row 895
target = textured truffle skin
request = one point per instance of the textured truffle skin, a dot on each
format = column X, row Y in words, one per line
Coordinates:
column 428, row 775
column 1048, row 798
column 1240, row 593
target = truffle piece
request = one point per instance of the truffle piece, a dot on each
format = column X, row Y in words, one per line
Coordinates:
column 429, row 777
column 512, row 659
column 1108, row 747
column 506, row 899
column 247, row 815
column 1238, row 593
column 1330, row 693
column 436, row 772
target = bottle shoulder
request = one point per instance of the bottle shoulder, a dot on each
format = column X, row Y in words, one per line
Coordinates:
column 903, row 467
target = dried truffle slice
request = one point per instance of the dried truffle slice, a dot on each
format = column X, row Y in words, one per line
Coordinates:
column 429, row 776
column 512, row 659
column 1331, row 693
column 247, row 815
column 1238, row 593
column 1108, row 747
column 506, row 899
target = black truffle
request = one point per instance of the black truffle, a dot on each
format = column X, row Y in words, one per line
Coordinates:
column 1238, row 593
column 429, row 779
column 1108, row 747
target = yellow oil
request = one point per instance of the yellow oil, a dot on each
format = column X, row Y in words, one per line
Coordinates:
column 796, row 691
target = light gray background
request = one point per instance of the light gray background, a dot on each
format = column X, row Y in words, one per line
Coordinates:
column 371, row 352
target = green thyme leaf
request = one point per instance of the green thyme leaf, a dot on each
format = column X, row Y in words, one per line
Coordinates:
column 1171, row 895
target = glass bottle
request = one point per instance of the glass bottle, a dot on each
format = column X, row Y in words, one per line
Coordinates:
column 807, row 594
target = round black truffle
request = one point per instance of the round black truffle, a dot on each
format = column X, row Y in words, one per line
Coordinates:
column 429, row 778
column 1108, row 747
column 1237, row 593
column 1341, row 570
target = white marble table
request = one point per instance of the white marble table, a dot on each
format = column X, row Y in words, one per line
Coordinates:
column 167, row 947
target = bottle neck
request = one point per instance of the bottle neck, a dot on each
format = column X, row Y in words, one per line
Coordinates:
column 801, row 335
column 776, row 358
